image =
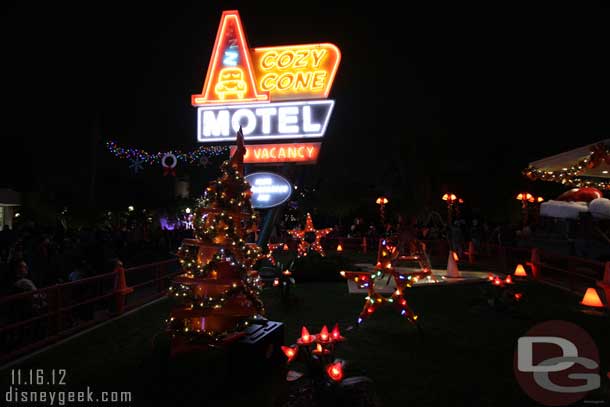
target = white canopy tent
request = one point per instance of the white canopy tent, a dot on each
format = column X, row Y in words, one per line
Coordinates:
column 563, row 161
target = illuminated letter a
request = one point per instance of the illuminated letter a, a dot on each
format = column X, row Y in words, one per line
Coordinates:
column 230, row 77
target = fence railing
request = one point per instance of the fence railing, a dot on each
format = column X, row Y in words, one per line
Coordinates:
column 34, row 319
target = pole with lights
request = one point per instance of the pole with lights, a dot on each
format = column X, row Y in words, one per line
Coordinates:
column 382, row 202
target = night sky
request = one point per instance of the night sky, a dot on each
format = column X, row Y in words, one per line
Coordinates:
column 428, row 99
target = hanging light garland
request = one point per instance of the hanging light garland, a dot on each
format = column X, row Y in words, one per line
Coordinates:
column 573, row 176
column 198, row 156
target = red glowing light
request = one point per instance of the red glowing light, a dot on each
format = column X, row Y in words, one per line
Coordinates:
column 370, row 310
column 323, row 336
column 290, row 353
column 508, row 279
column 305, row 338
column 335, row 371
column 336, row 334
column 518, row 296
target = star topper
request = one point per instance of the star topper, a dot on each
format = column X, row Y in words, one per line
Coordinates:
column 309, row 238
column 387, row 256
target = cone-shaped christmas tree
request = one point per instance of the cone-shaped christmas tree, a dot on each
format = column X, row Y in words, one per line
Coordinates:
column 218, row 293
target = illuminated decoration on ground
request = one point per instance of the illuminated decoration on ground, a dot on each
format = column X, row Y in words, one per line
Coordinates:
column 302, row 153
column 309, row 238
column 273, row 121
column 268, row 189
column 144, row 157
column 316, row 354
column 218, row 293
column 297, row 71
column 388, row 255
column 267, row 91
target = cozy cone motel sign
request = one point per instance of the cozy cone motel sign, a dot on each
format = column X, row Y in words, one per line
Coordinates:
column 278, row 95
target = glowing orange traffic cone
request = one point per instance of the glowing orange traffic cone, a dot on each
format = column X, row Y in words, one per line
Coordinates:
column 120, row 287
column 591, row 299
column 452, row 268
column 339, row 248
column 520, row 271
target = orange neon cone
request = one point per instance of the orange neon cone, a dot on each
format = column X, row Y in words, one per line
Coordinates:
column 452, row 268
column 591, row 299
column 520, row 271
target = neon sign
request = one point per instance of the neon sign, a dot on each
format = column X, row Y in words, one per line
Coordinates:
column 268, row 92
column 229, row 78
column 268, row 189
column 303, row 153
column 272, row 121
column 297, row 71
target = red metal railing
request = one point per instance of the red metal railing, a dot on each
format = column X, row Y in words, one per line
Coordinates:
column 34, row 319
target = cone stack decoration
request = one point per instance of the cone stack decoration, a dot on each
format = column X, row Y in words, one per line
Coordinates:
column 385, row 269
column 218, row 292
column 309, row 238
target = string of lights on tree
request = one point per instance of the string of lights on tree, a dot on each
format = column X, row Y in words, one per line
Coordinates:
column 218, row 294
column 167, row 159
column 572, row 175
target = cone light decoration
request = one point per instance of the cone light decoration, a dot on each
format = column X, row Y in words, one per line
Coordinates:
column 218, row 293
column 591, row 299
column 520, row 271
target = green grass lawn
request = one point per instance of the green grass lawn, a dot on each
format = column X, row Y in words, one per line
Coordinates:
column 464, row 356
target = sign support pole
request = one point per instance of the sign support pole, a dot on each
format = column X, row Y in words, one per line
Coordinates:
column 268, row 223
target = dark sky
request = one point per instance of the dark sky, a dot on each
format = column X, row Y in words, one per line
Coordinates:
column 458, row 96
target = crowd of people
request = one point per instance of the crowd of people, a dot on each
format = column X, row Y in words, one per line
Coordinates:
column 32, row 256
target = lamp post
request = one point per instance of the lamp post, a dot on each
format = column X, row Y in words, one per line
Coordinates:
column 382, row 201
column 525, row 197
column 451, row 200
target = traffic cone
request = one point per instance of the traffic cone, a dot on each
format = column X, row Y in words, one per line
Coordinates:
column 120, row 288
column 520, row 271
column 471, row 252
column 452, row 268
column 534, row 263
column 591, row 299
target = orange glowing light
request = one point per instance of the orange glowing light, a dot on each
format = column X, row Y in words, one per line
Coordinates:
column 301, row 153
column 294, row 72
column 382, row 200
column 525, row 196
column 455, row 256
column 450, row 197
column 335, row 371
column 591, row 299
column 540, row 199
column 520, row 271
column 230, row 77
column 339, row 247
column 287, row 272
column 290, row 352
column 285, row 247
